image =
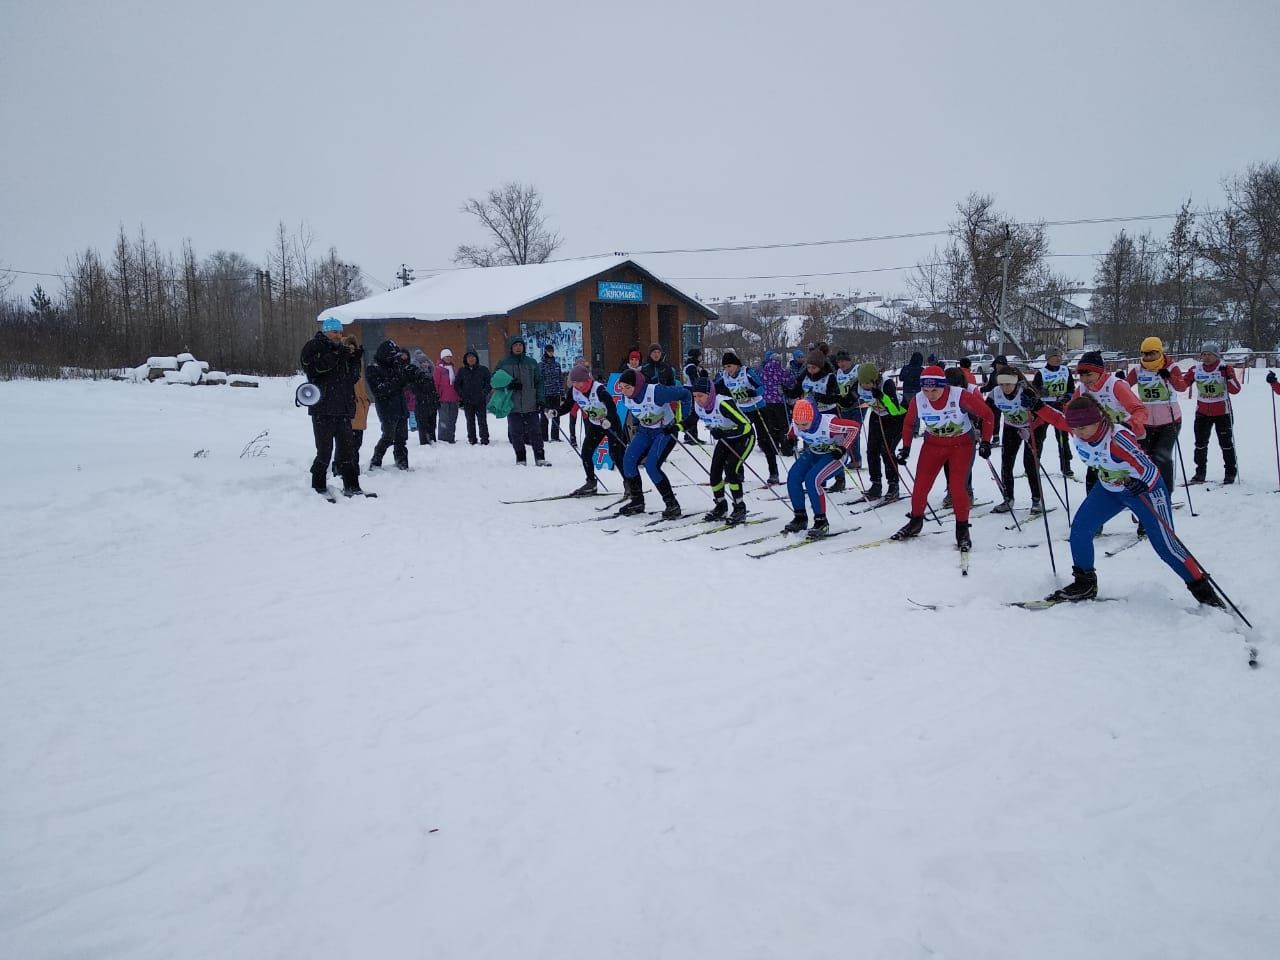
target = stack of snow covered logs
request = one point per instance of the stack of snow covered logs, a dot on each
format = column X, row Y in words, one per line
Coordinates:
column 186, row 369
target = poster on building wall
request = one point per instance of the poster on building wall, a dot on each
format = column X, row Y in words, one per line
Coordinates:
column 565, row 337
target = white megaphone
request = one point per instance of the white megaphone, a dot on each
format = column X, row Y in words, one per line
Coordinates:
column 307, row 395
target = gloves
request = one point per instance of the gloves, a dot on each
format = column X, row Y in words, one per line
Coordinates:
column 877, row 393
column 1271, row 376
column 1228, row 372
column 1164, row 373
column 903, row 455
column 1031, row 402
column 984, row 449
column 516, row 385
column 1135, row 487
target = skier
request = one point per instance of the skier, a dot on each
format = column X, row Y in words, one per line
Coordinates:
column 847, row 408
column 1054, row 384
column 734, row 435
column 1158, row 383
column 693, row 370
column 600, row 422
column 943, row 410
column 817, row 384
column 387, row 377
column 1014, row 401
column 332, row 363
column 1214, row 383
column 1117, row 399
column 1127, row 480
column 748, row 392
column 883, row 416
column 826, row 438
column 650, row 404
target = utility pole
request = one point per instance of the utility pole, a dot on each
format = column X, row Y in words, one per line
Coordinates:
column 405, row 276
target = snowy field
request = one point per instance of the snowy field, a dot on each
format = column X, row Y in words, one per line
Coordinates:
column 239, row 721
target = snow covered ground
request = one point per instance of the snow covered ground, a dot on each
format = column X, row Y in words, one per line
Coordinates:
column 239, row 721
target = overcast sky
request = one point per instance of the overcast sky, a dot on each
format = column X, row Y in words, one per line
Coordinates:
column 646, row 126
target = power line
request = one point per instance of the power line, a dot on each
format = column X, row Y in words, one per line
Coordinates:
column 850, row 273
column 877, row 238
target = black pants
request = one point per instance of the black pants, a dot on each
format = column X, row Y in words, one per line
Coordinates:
column 1205, row 425
column 764, row 437
column 522, row 429
column 1159, row 444
column 591, row 437
column 883, row 434
column 727, row 463
column 775, row 422
column 395, row 433
column 331, row 432
column 550, row 425
column 357, row 441
column 1009, row 444
column 477, row 417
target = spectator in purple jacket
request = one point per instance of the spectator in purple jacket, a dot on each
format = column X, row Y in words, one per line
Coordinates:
column 449, row 399
column 775, row 378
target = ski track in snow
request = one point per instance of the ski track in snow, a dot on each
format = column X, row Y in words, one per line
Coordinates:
column 234, row 713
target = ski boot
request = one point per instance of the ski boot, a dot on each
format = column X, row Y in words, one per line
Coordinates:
column 636, row 503
column 892, row 494
column 1037, row 506
column 1229, row 479
column 820, row 527
column 672, row 509
column 799, row 522
column 912, row 529
column 1005, row 507
column 718, row 512
column 946, row 502
column 1203, row 591
column 962, row 536
column 838, row 485
column 1084, row 587
column 539, row 462
column 588, row 489
column 739, row 513
column 773, row 480
column 875, row 491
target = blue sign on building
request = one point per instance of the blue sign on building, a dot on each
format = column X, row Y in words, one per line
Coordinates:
column 613, row 290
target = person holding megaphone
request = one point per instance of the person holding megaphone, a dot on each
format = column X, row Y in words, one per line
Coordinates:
column 332, row 367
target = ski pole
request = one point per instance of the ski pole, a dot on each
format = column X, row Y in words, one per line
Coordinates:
column 1146, row 499
column 676, row 443
column 746, row 463
column 1275, row 436
column 1177, row 442
column 1035, row 455
column 1048, row 537
column 1004, row 493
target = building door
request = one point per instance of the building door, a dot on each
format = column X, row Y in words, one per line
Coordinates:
column 667, row 316
column 621, row 332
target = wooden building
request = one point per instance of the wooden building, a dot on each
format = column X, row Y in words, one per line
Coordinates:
column 599, row 308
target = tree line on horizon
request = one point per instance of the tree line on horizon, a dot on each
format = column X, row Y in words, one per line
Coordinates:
column 137, row 301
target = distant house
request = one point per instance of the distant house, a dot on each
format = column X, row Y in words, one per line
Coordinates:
column 1053, row 322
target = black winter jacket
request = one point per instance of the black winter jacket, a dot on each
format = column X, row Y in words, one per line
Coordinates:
column 334, row 368
column 387, row 377
column 472, row 383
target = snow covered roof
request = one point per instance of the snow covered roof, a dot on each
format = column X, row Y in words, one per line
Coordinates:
column 487, row 291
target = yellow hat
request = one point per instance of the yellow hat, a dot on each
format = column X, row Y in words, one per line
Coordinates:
column 1152, row 343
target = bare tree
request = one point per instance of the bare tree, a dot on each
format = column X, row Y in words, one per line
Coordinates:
column 1124, row 290
column 517, row 228
column 1242, row 248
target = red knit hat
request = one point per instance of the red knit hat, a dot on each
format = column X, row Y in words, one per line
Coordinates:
column 934, row 373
